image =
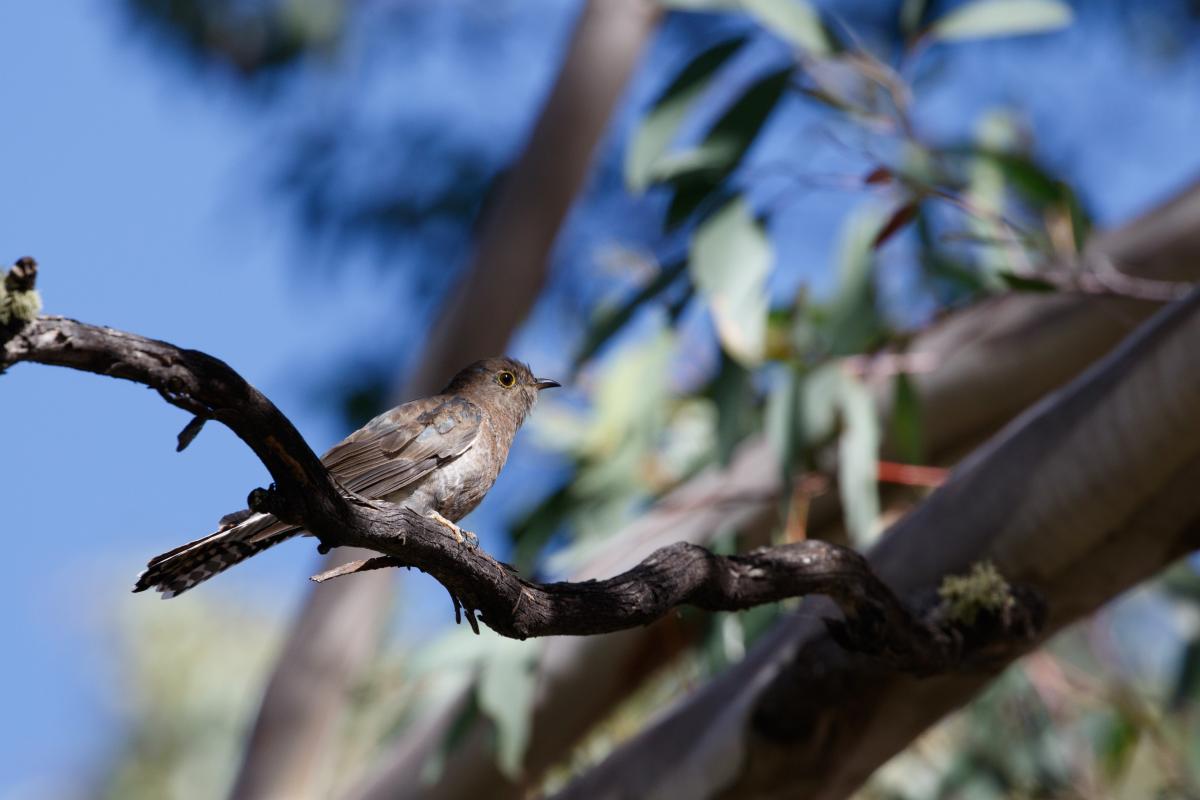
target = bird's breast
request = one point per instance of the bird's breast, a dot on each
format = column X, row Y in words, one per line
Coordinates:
column 459, row 486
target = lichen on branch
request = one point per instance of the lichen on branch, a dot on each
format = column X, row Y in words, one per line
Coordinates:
column 19, row 300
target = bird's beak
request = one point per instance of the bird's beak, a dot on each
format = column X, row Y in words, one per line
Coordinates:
column 545, row 383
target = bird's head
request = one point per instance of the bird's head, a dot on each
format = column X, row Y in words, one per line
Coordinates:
column 500, row 384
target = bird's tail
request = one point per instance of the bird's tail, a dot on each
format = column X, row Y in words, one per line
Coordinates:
column 178, row 570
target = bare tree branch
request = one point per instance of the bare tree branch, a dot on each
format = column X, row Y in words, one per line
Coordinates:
column 305, row 494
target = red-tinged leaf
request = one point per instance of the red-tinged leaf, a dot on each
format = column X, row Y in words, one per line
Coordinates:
column 878, row 175
column 911, row 474
column 900, row 217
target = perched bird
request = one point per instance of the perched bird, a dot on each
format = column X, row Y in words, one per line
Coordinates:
column 437, row 455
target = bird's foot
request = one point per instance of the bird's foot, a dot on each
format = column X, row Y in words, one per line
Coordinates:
column 460, row 535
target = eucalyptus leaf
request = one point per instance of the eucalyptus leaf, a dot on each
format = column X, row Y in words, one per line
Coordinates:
column 1041, row 189
column 820, row 400
column 802, row 411
column 984, row 19
column 705, row 167
column 858, row 461
column 908, row 429
column 617, row 444
column 732, row 392
column 988, row 197
column 533, row 531
column 781, row 421
column 702, row 163
column 911, row 12
column 609, row 323
column 505, row 693
column 462, row 723
column 852, row 323
column 730, row 261
column 796, row 21
column 691, row 193
column 662, row 122
column 1025, row 283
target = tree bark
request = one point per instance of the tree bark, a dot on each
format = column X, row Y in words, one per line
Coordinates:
column 291, row 748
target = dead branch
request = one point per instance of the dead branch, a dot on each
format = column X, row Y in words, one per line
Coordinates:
column 874, row 619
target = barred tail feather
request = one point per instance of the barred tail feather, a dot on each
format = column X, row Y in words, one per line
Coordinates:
column 178, row 570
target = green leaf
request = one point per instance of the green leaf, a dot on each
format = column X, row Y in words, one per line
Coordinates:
column 462, row 724
column 784, row 432
column 985, row 19
column 1187, row 676
column 732, row 391
column 911, row 12
column 608, row 324
column 852, row 323
column 781, row 421
column 1025, row 283
column 690, row 195
column 1040, row 188
column 858, row 461
column 1117, row 738
column 820, row 398
column 701, row 171
column 952, row 282
column 802, row 410
column 701, row 164
column 535, row 529
column 661, row 123
column 907, row 426
column 730, row 260
column 505, row 693
column 987, row 191
column 796, row 21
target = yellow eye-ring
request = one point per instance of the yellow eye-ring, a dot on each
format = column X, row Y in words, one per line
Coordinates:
column 506, row 379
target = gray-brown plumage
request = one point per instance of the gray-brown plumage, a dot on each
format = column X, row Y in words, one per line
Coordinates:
column 437, row 455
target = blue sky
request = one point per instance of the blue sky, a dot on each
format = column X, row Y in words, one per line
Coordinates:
column 125, row 183
column 136, row 186
column 140, row 187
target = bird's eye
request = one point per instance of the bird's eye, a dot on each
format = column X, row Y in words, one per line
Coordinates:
column 506, row 379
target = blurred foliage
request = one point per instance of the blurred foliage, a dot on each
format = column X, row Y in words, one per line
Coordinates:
column 252, row 36
column 680, row 358
column 1070, row 721
column 185, row 716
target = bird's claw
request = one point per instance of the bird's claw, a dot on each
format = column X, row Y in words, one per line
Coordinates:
column 460, row 535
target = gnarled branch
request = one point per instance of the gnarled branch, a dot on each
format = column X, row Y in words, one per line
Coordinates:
column 304, row 493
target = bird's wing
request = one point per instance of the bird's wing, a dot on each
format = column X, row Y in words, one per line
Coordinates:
column 390, row 452
column 400, row 447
